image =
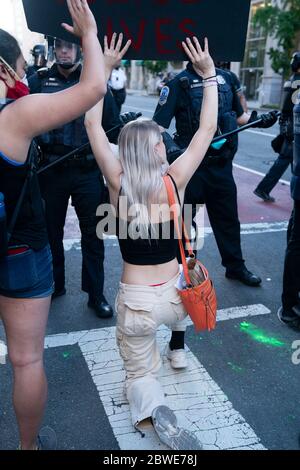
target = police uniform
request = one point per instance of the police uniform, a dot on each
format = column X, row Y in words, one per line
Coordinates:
column 290, row 311
column 213, row 182
column 235, row 82
column 78, row 177
column 31, row 70
column 285, row 140
column 117, row 83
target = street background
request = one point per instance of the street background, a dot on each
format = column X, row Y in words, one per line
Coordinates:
column 241, row 390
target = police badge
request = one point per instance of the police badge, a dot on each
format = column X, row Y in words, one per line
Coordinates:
column 221, row 80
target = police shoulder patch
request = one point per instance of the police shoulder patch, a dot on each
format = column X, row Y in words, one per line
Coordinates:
column 164, row 95
column 221, row 80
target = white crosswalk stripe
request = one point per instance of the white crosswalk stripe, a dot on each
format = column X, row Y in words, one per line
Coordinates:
column 246, row 229
column 198, row 401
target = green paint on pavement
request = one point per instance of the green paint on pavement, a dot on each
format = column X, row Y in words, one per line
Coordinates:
column 260, row 336
column 234, row 367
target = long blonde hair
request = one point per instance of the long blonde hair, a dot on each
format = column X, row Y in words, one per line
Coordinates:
column 142, row 169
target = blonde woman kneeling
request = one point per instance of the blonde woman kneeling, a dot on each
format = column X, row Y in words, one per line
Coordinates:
column 147, row 296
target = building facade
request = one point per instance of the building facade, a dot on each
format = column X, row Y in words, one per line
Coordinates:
column 261, row 84
column 13, row 20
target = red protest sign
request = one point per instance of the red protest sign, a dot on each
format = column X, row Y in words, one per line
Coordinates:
column 156, row 27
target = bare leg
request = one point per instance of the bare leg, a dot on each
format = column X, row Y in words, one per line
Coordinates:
column 25, row 324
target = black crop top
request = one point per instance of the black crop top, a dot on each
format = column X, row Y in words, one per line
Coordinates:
column 146, row 252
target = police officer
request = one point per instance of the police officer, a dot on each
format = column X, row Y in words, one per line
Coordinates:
column 213, row 182
column 236, row 83
column 78, row 177
column 39, row 59
column 117, row 83
column 289, row 313
column 283, row 144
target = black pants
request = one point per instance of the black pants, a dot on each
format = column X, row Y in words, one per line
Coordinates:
column 86, row 187
column 214, row 185
column 120, row 97
column 277, row 169
column 291, row 275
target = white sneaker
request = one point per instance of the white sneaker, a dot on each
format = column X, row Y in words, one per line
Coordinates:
column 177, row 358
column 165, row 424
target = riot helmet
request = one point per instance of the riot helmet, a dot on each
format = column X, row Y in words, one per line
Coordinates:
column 39, row 55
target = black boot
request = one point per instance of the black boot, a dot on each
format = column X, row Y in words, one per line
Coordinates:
column 101, row 307
column 263, row 195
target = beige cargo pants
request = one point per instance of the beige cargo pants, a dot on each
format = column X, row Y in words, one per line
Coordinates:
column 140, row 311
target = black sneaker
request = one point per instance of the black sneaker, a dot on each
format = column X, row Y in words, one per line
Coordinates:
column 296, row 309
column 289, row 318
column 263, row 195
column 244, row 276
column 47, row 439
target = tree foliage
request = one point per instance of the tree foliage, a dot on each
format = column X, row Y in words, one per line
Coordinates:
column 156, row 66
column 281, row 20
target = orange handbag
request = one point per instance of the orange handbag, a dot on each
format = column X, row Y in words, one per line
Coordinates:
column 200, row 300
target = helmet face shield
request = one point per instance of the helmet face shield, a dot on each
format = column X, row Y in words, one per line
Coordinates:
column 39, row 55
column 67, row 54
column 40, row 60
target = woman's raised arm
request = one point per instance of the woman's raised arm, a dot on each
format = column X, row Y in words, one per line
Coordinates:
column 108, row 163
column 185, row 166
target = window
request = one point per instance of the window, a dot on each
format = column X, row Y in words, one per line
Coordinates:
column 252, row 66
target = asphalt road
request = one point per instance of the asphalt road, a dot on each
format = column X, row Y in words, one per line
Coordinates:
column 241, row 390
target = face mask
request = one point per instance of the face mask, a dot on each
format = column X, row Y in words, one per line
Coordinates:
column 17, row 91
column 24, row 80
column 20, row 87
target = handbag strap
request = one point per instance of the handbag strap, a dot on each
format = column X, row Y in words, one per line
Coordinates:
column 173, row 207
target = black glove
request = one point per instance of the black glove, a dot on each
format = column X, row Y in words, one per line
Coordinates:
column 128, row 117
column 172, row 149
column 267, row 119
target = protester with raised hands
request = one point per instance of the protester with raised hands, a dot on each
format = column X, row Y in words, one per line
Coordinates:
column 147, row 295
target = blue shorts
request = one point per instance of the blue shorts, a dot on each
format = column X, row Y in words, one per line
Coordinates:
column 27, row 275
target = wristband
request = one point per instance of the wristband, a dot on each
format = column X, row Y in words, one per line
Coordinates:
column 213, row 76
